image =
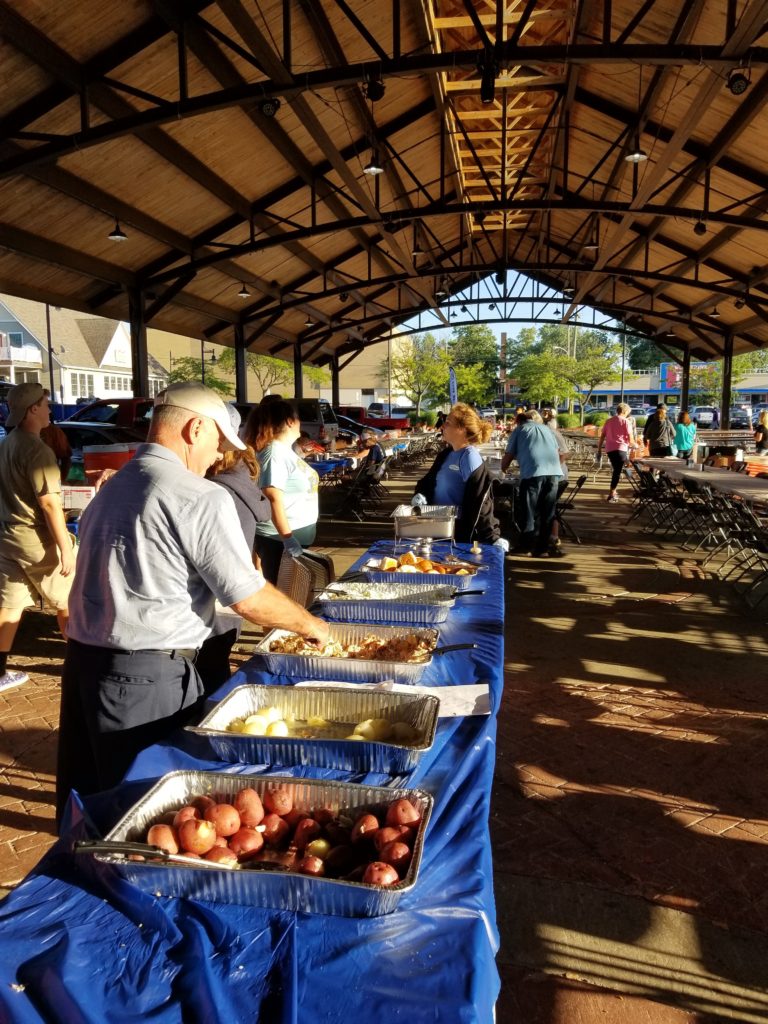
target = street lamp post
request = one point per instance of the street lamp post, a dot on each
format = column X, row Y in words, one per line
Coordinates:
column 203, row 353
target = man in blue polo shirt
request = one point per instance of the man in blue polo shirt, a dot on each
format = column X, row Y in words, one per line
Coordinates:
column 534, row 446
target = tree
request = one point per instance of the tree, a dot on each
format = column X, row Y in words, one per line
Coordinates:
column 269, row 371
column 186, row 368
column 706, row 379
column 594, row 361
column 317, row 376
column 418, row 367
column 643, row 354
column 475, row 345
column 540, row 377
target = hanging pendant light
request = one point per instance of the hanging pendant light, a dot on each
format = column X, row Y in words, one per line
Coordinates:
column 373, row 167
column 243, row 293
column 117, row 234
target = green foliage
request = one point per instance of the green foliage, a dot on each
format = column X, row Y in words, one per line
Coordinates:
column 316, row 376
column 187, row 368
column 597, row 419
column 568, row 420
column 427, row 416
column 643, row 354
column 640, row 421
column 269, row 371
column 419, row 367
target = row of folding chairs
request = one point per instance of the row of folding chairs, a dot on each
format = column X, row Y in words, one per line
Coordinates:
column 733, row 534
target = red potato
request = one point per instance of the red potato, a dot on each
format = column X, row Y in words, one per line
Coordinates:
column 307, row 830
column 390, row 833
column 294, row 816
column 246, row 843
column 402, row 812
column 379, row 873
column 224, row 817
column 339, row 860
column 397, row 854
column 275, row 830
column 365, row 827
column 278, row 801
column 221, row 855
column 184, row 814
column 164, row 836
column 311, row 866
column 339, row 835
column 202, row 803
column 197, row 835
column 248, row 805
column 220, row 841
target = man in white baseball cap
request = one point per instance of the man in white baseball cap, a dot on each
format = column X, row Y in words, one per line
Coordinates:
column 159, row 544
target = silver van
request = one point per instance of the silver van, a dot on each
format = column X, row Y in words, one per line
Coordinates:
column 317, row 418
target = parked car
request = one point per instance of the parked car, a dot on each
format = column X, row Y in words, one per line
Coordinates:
column 345, row 423
column 703, row 416
column 740, row 418
column 81, row 435
column 131, row 413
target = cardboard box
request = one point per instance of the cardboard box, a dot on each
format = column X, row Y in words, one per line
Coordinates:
column 76, row 497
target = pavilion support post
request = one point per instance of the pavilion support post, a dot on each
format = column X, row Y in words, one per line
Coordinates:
column 298, row 376
column 335, row 381
column 685, row 382
column 725, row 398
column 139, row 360
column 241, row 373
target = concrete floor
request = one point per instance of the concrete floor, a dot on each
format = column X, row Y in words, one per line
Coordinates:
column 629, row 824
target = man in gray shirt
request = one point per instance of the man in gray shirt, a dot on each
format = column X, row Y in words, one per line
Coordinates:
column 159, row 544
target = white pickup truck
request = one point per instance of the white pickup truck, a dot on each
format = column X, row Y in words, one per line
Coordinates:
column 704, row 416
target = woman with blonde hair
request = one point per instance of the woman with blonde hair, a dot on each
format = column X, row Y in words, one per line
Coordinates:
column 459, row 477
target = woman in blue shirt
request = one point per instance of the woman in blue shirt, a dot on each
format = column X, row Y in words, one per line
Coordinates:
column 685, row 435
column 459, row 476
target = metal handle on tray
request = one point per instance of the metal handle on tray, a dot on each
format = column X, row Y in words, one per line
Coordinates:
column 145, row 850
column 449, row 648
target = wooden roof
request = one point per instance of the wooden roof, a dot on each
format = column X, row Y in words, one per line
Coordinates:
column 502, row 129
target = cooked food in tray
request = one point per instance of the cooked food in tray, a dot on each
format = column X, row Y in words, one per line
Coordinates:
column 411, row 563
column 410, row 647
column 271, row 721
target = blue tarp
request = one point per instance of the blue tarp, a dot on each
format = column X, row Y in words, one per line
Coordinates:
column 79, row 944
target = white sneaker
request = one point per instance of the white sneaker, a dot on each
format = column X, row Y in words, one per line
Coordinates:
column 10, row 679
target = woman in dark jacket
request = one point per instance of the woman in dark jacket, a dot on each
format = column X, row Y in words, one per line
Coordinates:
column 659, row 433
column 459, row 477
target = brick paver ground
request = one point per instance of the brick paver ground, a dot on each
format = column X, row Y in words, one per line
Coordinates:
column 632, row 752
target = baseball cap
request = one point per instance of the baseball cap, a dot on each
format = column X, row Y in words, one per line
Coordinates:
column 21, row 398
column 197, row 398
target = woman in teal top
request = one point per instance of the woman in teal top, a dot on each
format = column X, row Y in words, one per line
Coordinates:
column 685, row 436
column 288, row 483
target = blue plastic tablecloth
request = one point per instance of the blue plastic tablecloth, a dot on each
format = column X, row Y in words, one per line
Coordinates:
column 321, row 467
column 79, row 944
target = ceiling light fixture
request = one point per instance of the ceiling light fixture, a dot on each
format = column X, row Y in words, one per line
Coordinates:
column 738, row 81
column 373, row 167
column 441, row 290
column 715, row 313
column 374, row 90
column 700, row 227
column 463, row 309
column 309, row 322
column 117, row 234
column 243, row 293
column 269, row 106
column 488, row 71
column 739, row 303
column 491, row 305
column 636, row 155
column 343, row 296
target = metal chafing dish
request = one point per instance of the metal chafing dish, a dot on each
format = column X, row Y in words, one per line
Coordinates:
column 333, row 704
column 252, row 887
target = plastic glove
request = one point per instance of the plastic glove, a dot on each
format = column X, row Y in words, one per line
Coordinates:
column 502, row 543
column 292, row 546
column 420, row 500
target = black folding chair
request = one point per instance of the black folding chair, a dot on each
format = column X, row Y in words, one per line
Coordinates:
column 565, row 505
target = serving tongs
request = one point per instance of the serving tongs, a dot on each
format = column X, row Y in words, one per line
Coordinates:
column 129, row 850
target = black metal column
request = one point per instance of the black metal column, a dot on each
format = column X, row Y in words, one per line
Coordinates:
column 298, row 376
column 335, row 380
column 725, row 398
column 241, row 372
column 685, row 382
column 139, row 360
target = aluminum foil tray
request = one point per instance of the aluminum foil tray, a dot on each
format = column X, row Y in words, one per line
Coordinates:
column 431, row 579
column 339, row 704
column 387, row 603
column 279, row 890
column 435, row 521
column 352, row 670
